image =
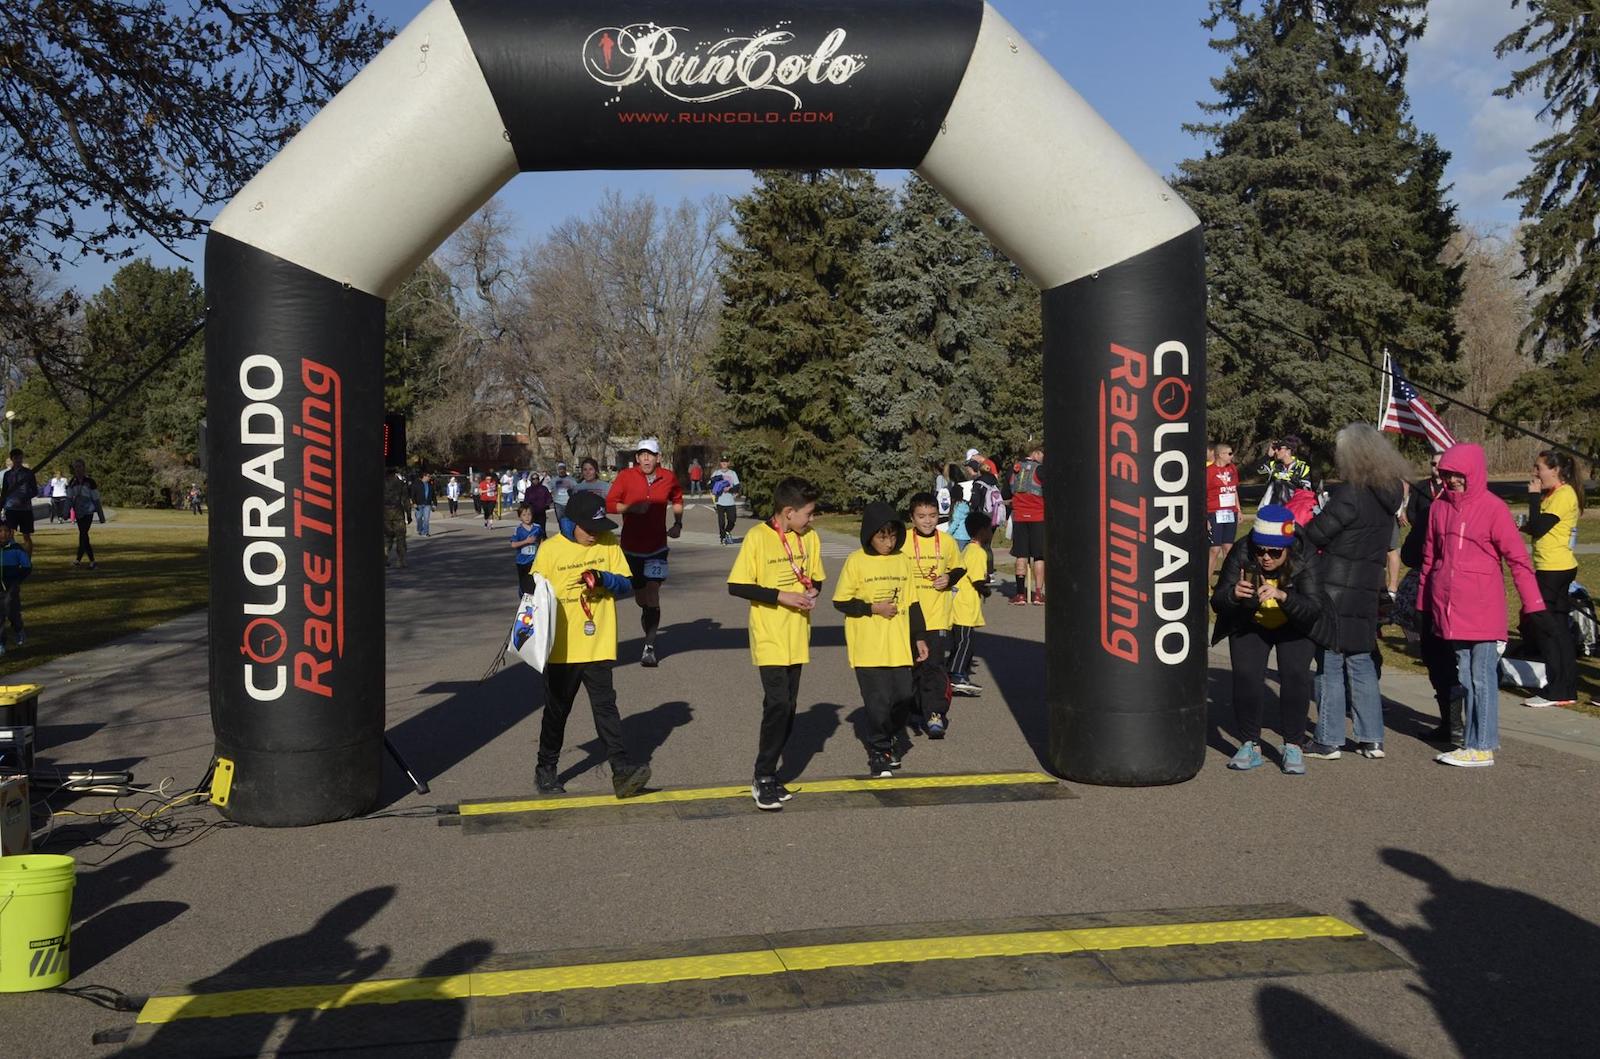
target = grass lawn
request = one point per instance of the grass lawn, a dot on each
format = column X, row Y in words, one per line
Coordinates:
column 152, row 568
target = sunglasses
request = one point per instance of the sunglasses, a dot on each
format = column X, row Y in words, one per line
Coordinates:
column 1270, row 553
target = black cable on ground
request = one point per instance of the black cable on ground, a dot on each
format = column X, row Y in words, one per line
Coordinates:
column 104, row 996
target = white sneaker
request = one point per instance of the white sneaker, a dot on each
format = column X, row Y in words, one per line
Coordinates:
column 1467, row 759
column 1539, row 702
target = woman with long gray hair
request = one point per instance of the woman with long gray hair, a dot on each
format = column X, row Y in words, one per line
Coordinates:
column 1352, row 531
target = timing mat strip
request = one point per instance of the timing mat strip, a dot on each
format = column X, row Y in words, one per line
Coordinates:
column 947, row 945
column 799, row 787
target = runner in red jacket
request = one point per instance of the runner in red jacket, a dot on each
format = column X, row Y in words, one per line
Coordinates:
column 1222, row 504
column 641, row 494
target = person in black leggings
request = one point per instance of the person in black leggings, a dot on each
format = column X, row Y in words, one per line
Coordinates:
column 83, row 497
column 1269, row 599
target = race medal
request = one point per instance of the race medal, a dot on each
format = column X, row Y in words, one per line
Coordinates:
column 588, row 628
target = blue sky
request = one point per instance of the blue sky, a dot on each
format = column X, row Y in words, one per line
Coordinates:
column 1143, row 65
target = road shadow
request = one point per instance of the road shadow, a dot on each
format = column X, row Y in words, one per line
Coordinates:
column 474, row 714
column 1016, row 668
column 1293, row 1024
column 1508, row 973
column 98, row 889
column 813, row 728
column 327, row 953
column 117, row 928
column 643, row 734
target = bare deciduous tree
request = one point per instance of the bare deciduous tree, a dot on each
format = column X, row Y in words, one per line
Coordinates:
column 1494, row 311
column 600, row 329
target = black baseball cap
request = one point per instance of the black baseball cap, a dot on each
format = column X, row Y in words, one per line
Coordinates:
column 589, row 511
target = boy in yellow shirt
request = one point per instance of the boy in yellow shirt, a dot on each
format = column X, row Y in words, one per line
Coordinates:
column 938, row 571
column 967, row 610
column 876, row 593
column 585, row 566
column 779, row 570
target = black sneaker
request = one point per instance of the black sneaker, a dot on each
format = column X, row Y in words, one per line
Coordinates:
column 547, row 780
column 878, row 766
column 1323, row 751
column 765, row 793
column 629, row 780
column 1372, row 750
column 893, row 758
column 784, row 793
column 648, row 658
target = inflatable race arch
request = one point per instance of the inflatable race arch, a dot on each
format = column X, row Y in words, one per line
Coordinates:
column 472, row 92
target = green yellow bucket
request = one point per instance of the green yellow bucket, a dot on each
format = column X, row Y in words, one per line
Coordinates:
column 35, row 921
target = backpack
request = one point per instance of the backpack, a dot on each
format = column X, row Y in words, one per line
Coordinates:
column 990, row 502
column 1585, row 629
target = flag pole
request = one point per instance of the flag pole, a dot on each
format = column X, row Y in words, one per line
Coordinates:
column 1384, row 384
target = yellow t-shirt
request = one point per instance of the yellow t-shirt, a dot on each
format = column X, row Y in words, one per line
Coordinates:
column 562, row 562
column 876, row 642
column 1553, row 551
column 932, row 556
column 968, row 606
column 779, row 635
column 1270, row 615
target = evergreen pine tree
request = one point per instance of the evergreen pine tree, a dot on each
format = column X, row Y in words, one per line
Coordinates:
column 1561, row 200
column 937, row 317
column 1324, row 213
column 794, row 290
column 146, row 445
column 1009, row 372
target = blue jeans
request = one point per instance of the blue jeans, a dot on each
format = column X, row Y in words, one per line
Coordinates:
column 1358, row 673
column 1478, row 670
column 424, row 516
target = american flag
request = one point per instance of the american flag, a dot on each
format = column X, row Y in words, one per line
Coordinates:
column 1407, row 413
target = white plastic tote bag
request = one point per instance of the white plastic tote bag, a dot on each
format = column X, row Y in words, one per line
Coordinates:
column 533, row 630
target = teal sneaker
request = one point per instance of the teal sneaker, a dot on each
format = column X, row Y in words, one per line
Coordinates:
column 1294, row 762
column 1246, row 757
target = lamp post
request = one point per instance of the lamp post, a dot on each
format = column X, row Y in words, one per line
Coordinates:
column 10, row 415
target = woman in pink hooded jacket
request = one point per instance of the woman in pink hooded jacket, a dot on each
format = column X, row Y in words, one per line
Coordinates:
column 1461, row 590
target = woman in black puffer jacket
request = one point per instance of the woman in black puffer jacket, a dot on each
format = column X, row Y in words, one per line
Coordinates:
column 1352, row 531
column 1269, row 600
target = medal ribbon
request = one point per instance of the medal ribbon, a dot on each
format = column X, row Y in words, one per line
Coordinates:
column 788, row 552
column 583, row 601
column 938, row 556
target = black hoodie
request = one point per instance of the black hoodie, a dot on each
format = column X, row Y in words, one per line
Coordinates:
column 876, row 516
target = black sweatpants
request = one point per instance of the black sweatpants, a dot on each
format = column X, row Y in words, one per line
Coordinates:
column 561, row 682
column 1560, row 654
column 780, row 690
column 1248, row 649
column 960, row 651
column 887, row 693
column 727, row 518
column 932, row 678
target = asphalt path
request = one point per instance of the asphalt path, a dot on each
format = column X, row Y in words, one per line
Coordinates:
column 1483, row 880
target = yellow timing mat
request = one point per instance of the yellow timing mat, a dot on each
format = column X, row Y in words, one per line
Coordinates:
column 803, row 959
column 799, row 787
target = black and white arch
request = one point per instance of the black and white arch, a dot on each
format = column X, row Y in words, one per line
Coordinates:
column 299, row 264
